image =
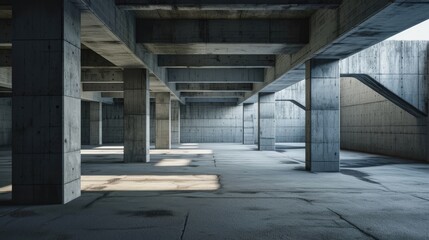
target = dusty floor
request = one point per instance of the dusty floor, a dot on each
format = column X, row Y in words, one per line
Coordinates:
column 229, row 191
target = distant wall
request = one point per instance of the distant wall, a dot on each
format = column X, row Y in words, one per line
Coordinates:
column 211, row 122
column 369, row 122
column 290, row 118
column 5, row 121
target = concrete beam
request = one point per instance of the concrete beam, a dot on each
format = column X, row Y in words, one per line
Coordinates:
column 212, row 100
column 89, row 60
column 216, row 61
column 102, row 87
column 213, row 87
column 5, row 33
column 227, row 75
column 212, row 94
column 102, row 76
column 110, row 32
column 226, row 5
column 222, row 31
column 339, row 33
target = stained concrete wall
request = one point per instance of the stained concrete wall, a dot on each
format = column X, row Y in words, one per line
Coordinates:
column 5, row 121
column 211, row 122
column 113, row 122
column 371, row 123
column 290, row 118
column 401, row 66
column 85, row 121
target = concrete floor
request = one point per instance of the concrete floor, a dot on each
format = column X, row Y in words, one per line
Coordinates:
column 229, row 191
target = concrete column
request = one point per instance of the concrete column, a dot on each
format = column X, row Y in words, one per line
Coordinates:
column 95, row 123
column 163, row 120
column 136, row 115
column 267, row 122
column 248, row 124
column 175, row 122
column 46, row 102
column 322, row 115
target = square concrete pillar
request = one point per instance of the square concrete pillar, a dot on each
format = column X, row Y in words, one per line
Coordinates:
column 267, row 122
column 136, row 115
column 163, row 120
column 95, row 123
column 248, row 124
column 322, row 115
column 175, row 122
column 46, row 102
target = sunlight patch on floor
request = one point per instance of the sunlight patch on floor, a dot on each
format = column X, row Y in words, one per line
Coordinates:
column 173, row 162
column 150, row 182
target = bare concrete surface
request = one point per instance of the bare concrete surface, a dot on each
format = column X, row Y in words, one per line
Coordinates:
column 228, row 191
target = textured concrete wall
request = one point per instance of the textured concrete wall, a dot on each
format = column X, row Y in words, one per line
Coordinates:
column 85, row 123
column 401, row 66
column 5, row 121
column 370, row 123
column 113, row 122
column 211, row 122
column 290, row 118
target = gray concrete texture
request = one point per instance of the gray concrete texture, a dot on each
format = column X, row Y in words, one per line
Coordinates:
column 322, row 126
column 5, row 121
column 229, row 191
column 267, row 121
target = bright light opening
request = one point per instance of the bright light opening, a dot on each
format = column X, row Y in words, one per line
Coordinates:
column 173, row 163
column 418, row 32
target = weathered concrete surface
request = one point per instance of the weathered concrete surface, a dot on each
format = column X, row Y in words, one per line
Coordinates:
column 400, row 66
column 217, row 75
column 339, row 33
column 215, row 61
column 211, row 122
column 247, row 194
column 175, row 122
column 248, row 124
column 222, row 36
column 163, row 121
column 267, row 122
column 322, row 117
column 46, row 102
column 5, row 121
column 136, row 115
column 290, row 119
column 95, row 123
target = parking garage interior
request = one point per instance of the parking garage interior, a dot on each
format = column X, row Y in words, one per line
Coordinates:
column 201, row 119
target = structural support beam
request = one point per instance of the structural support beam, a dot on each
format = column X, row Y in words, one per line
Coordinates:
column 227, row 75
column 175, row 122
column 227, row 5
column 267, row 122
column 46, row 102
column 322, row 119
column 5, row 32
column 248, row 124
column 216, row 61
column 240, row 36
column 95, row 123
column 212, row 94
column 136, row 115
column 163, row 121
column 102, row 87
column 212, row 87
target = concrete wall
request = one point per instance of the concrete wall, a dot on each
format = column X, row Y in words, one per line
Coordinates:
column 290, row 118
column 401, row 66
column 113, row 122
column 211, row 122
column 5, row 121
column 370, row 123
column 85, row 123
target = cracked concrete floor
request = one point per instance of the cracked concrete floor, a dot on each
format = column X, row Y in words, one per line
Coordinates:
column 229, row 191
